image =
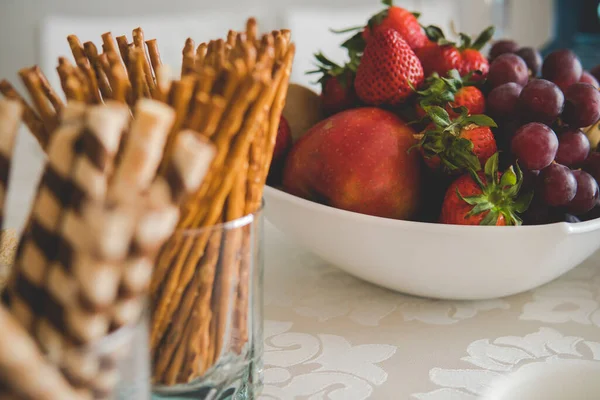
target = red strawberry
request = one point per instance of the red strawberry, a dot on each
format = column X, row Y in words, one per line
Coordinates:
column 387, row 70
column 399, row 19
column 486, row 198
column 337, row 84
column 469, row 97
column 283, row 144
column 484, row 144
column 447, row 55
column 451, row 91
column 439, row 58
column 463, row 143
column 474, row 61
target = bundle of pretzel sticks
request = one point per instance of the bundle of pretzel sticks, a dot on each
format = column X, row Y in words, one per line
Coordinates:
column 231, row 91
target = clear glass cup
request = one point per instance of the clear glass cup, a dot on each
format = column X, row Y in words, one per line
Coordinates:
column 116, row 367
column 209, row 344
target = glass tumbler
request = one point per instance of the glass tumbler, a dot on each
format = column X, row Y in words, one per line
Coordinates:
column 206, row 335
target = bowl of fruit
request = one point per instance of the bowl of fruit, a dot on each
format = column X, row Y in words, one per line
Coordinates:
column 428, row 168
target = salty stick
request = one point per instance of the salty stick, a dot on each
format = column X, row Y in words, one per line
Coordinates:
column 48, row 90
column 138, row 40
column 34, row 87
column 30, row 117
column 189, row 58
column 163, row 83
column 201, row 51
column 101, row 77
column 182, row 270
column 224, row 295
column 181, row 93
column 136, row 75
column 260, row 171
column 124, row 49
column 154, row 54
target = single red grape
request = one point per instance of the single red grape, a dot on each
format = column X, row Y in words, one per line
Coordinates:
column 532, row 58
column 582, row 105
column 573, row 147
column 562, row 67
column 586, row 196
column 503, row 46
column 541, row 101
column 502, row 100
column 534, row 145
column 508, row 68
column 557, row 184
column 586, row 77
column 592, row 165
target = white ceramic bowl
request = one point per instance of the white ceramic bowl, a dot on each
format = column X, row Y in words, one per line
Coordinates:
column 434, row 260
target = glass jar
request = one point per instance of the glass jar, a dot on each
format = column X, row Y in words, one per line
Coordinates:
column 206, row 336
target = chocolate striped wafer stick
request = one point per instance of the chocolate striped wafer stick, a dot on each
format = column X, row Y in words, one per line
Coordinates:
column 24, row 372
column 10, row 120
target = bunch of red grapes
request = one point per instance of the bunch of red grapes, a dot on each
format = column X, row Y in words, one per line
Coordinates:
column 540, row 124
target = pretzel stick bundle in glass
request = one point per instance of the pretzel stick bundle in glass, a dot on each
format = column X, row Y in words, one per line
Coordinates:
column 231, row 93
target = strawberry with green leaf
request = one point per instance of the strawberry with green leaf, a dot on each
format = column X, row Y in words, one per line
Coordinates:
column 455, row 145
column 337, row 83
column 451, row 91
column 487, row 197
column 388, row 70
column 406, row 23
column 442, row 55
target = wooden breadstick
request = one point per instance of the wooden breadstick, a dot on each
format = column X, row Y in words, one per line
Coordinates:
column 189, row 58
column 138, row 40
column 181, row 93
column 163, row 83
column 201, row 54
column 252, row 30
column 48, row 90
column 30, row 117
column 124, row 49
column 228, row 274
column 154, row 54
column 136, row 73
column 181, row 273
column 76, row 49
column 101, row 77
column 41, row 102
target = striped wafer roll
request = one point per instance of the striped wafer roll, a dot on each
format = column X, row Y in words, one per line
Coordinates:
column 143, row 149
column 30, row 261
column 24, row 372
column 10, row 120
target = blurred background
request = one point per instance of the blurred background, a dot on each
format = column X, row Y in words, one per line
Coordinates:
column 34, row 32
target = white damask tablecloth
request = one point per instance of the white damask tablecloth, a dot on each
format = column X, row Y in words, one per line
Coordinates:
column 329, row 335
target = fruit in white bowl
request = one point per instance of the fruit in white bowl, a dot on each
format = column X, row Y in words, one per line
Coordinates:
column 430, row 259
column 358, row 160
column 498, row 146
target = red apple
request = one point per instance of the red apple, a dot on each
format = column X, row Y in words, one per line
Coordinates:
column 283, row 143
column 358, row 160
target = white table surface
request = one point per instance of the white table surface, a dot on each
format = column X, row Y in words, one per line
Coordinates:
column 331, row 336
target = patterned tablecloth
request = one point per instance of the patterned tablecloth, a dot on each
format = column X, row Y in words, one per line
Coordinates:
column 329, row 335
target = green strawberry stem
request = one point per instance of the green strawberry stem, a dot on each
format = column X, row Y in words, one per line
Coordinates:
column 443, row 140
column 500, row 194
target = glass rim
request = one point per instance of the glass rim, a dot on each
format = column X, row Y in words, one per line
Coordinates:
column 229, row 225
